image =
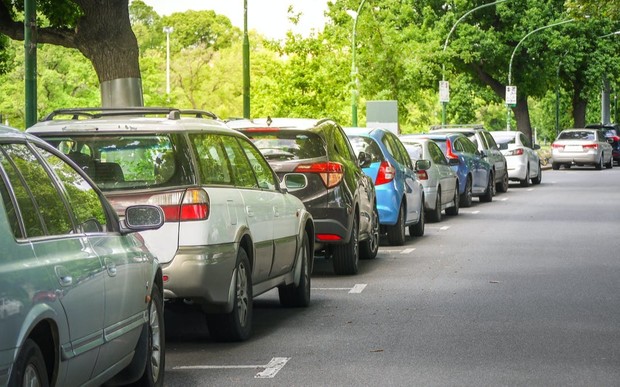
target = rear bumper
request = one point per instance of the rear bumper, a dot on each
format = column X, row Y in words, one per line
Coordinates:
column 517, row 168
column 336, row 224
column 578, row 158
column 388, row 204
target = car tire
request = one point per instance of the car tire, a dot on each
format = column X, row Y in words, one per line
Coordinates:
column 454, row 210
column 434, row 215
column 536, row 180
column 555, row 166
column 346, row 256
column 503, row 185
column 599, row 164
column 29, row 368
column 467, row 196
column 298, row 296
column 610, row 164
column 396, row 233
column 488, row 194
column 417, row 229
column 237, row 324
column 156, row 342
column 370, row 247
column 526, row 182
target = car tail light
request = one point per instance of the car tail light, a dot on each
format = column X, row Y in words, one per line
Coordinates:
column 615, row 138
column 193, row 204
column 449, row 153
column 422, row 175
column 386, row 173
column 331, row 173
column 515, row 152
column 590, row 146
column 328, row 237
column 557, row 146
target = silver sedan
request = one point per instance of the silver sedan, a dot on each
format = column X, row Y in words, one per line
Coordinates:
column 581, row 147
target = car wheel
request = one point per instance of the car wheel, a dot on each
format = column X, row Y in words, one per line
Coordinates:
column 467, row 196
column 370, row 247
column 156, row 343
column 488, row 194
column 396, row 233
column 503, row 185
column 454, row 210
column 610, row 164
column 434, row 215
column 599, row 164
column 536, row 180
column 29, row 369
column 237, row 324
column 555, row 166
column 298, row 295
column 418, row 228
column 346, row 257
column 526, row 182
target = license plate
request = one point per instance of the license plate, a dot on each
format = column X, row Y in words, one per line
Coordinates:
column 573, row 148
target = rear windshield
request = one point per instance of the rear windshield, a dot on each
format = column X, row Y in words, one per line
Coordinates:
column 503, row 141
column 414, row 150
column 288, row 145
column 368, row 145
column 577, row 135
column 118, row 162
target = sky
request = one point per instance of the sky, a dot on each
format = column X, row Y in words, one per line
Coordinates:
column 268, row 17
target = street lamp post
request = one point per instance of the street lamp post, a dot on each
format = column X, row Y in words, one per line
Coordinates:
column 513, row 55
column 168, row 31
column 30, row 62
column 445, row 45
column 354, row 91
column 246, row 63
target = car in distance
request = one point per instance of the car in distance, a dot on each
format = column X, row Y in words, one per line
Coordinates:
column 81, row 297
column 340, row 197
column 487, row 147
column 400, row 195
column 612, row 131
column 523, row 161
column 440, row 182
column 475, row 174
column 581, row 147
column 232, row 230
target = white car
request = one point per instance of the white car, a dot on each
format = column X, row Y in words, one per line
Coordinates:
column 232, row 229
column 521, row 156
column 440, row 182
column 582, row 147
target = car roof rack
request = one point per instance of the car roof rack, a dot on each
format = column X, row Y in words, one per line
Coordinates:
column 455, row 126
column 90, row 113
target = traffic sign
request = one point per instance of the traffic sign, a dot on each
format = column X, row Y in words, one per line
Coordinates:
column 444, row 91
column 511, row 95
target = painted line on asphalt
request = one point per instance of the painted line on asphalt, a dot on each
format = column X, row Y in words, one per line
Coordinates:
column 407, row 251
column 357, row 288
column 530, row 189
column 444, row 228
column 269, row 370
column 475, row 212
column 503, row 199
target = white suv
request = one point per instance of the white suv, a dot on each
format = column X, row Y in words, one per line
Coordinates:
column 231, row 232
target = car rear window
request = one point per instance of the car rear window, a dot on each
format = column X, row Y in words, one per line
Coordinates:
column 368, row 145
column 414, row 150
column 503, row 141
column 121, row 162
column 577, row 135
column 288, row 145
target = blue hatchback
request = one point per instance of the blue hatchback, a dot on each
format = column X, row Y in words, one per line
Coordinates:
column 400, row 196
column 475, row 173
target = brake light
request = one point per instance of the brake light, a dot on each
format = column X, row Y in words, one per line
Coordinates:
column 515, row 152
column 327, row 237
column 422, row 175
column 449, row 153
column 590, row 146
column 557, row 146
column 331, row 173
column 615, row 138
column 386, row 173
column 194, row 205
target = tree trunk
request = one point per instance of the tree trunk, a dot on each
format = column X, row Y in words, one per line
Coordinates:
column 579, row 109
column 522, row 115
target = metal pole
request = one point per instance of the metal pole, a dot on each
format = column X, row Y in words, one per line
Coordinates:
column 168, row 31
column 30, row 62
column 445, row 45
column 246, row 63
column 354, row 81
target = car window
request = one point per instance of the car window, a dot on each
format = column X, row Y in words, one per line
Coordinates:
column 40, row 203
column 83, row 199
column 368, row 145
column 414, row 150
column 437, row 155
column 403, row 156
column 9, row 206
column 504, row 141
column 458, row 145
column 242, row 170
column 525, row 140
column 490, row 142
column 213, row 161
column 262, row 170
column 288, row 145
column 577, row 135
column 342, row 144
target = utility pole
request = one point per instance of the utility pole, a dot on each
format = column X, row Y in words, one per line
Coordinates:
column 30, row 61
column 246, row 63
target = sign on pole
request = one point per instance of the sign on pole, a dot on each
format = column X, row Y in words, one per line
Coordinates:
column 444, row 91
column 511, row 96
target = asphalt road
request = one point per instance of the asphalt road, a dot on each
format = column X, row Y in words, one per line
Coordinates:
column 524, row 291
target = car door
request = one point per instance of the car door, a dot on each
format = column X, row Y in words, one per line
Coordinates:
column 412, row 187
column 285, row 221
column 474, row 160
column 77, row 272
column 495, row 157
column 445, row 174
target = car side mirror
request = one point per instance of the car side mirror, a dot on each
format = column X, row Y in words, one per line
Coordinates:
column 422, row 165
column 295, row 181
column 480, row 153
column 364, row 159
column 536, row 147
column 143, row 217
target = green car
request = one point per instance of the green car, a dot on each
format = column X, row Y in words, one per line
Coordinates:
column 80, row 295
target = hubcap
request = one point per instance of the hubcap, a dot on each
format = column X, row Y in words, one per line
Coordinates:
column 242, row 294
column 374, row 236
column 155, row 342
column 31, row 377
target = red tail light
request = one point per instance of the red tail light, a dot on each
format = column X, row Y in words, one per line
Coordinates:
column 422, row 175
column 515, row 152
column 328, row 237
column 331, row 173
column 557, row 146
column 193, row 206
column 449, row 153
column 590, row 146
column 615, row 138
column 386, row 173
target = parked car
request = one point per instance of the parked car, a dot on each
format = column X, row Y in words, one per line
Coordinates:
column 232, row 230
column 582, row 147
column 81, row 297
column 400, row 195
column 612, row 131
column 521, row 156
column 338, row 194
column 440, row 182
column 474, row 172
column 487, row 147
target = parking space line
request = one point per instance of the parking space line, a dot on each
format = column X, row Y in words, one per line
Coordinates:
column 269, row 370
column 503, row 199
column 407, row 251
column 444, row 228
column 357, row 288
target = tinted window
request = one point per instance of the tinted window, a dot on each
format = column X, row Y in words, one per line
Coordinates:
column 468, row 145
column 244, row 175
column 490, row 142
column 403, row 156
column 342, row 145
column 264, row 174
column 288, row 145
column 437, row 155
column 368, row 145
column 577, row 135
column 504, row 141
column 9, row 206
column 213, row 161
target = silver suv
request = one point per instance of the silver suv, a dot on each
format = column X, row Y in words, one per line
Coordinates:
column 232, row 230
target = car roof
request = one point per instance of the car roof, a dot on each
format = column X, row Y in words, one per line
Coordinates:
column 504, row 133
column 278, row 122
column 131, row 119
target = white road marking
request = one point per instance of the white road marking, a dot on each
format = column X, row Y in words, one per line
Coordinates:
column 475, row 212
column 270, row 369
column 389, row 251
column 530, row 189
column 444, row 228
column 503, row 199
column 407, row 251
column 358, row 288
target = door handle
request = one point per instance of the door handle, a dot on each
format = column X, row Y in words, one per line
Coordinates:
column 110, row 267
column 63, row 277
